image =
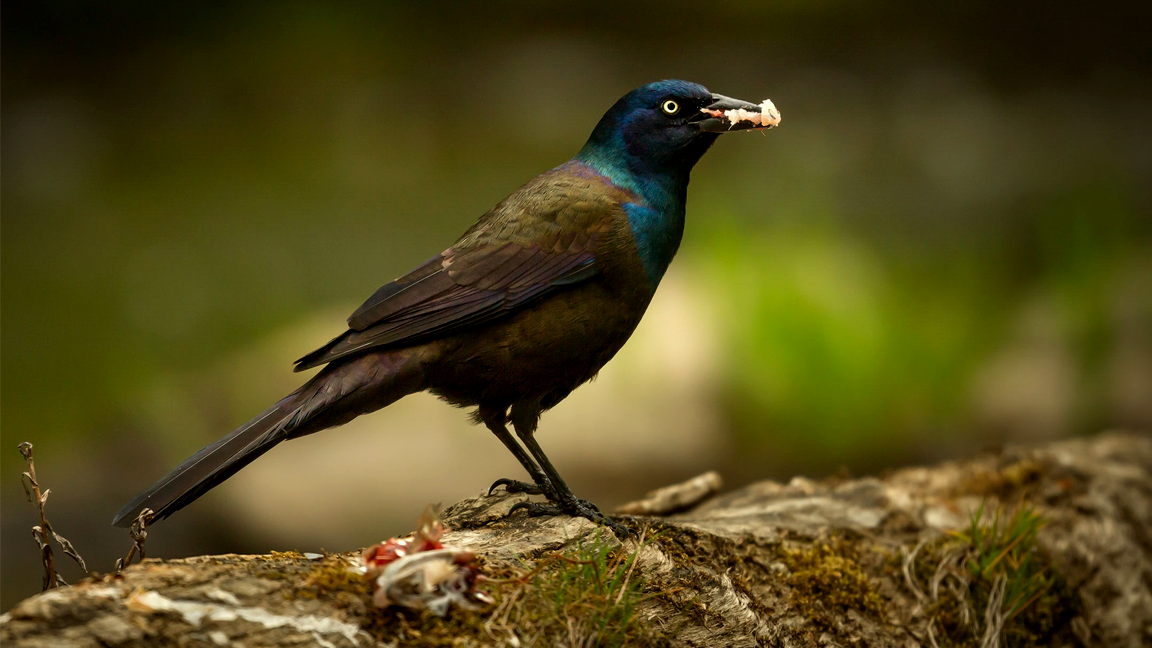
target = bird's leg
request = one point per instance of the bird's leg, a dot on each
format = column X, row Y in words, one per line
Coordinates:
column 562, row 497
column 494, row 420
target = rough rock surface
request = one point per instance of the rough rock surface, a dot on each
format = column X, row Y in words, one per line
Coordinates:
column 726, row 569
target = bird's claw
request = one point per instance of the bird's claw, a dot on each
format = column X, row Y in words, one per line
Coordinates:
column 536, row 509
column 575, row 507
column 517, row 486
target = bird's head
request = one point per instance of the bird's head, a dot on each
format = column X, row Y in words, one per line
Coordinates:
column 664, row 127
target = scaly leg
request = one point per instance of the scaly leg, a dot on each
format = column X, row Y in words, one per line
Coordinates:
column 564, row 501
column 494, row 420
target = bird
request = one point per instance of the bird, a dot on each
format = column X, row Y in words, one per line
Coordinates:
column 526, row 306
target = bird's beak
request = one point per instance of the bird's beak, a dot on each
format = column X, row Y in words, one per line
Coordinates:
column 726, row 114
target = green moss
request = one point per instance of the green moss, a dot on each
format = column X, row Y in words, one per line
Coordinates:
column 397, row 626
column 333, row 578
column 826, row 581
column 1012, row 482
column 285, row 555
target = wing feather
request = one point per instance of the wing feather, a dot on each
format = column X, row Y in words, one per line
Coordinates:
column 536, row 241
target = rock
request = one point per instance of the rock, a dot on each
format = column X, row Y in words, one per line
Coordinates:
column 114, row 630
column 809, row 563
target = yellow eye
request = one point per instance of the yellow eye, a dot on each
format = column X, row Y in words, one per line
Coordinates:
column 670, row 107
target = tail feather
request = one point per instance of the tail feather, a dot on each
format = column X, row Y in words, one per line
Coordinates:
column 209, row 467
column 333, row 397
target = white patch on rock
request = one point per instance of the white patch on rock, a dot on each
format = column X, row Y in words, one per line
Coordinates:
column 654, row 561
column 730, row 603
column 939, row 517
column 104, row 592
column 217, row 594
column 194, row 613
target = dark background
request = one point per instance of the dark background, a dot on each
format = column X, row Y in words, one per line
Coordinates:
column 947, row 244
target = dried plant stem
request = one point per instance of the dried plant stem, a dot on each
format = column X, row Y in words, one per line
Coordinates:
column 139, row 533
column 43, row 532
column 40, row 533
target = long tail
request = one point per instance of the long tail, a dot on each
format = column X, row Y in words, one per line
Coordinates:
column 336, row 395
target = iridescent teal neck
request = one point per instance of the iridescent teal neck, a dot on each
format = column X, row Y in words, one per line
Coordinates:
column 656, row 218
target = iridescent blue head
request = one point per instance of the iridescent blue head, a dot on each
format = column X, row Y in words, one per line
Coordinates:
column 649, row 132
column 648, row 143
column 663, row 128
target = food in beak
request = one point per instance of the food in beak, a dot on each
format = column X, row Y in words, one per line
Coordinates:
column 767, row 117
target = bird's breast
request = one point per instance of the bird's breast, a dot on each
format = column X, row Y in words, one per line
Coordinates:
column 542, row 352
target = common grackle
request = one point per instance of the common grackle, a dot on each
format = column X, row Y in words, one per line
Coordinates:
column 529, row 304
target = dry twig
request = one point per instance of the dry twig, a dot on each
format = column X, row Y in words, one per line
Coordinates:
column 43, row 531
column 139, row 533
column 677, row 497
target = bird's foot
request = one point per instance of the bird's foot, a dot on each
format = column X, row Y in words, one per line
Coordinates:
column 517, row 486
column 576, row 508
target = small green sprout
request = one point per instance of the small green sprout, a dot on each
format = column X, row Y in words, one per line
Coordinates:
column 991, row 583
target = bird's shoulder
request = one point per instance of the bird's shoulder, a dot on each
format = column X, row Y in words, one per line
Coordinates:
column 558, row 210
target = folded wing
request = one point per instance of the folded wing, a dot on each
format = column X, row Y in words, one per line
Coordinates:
column 497, row 267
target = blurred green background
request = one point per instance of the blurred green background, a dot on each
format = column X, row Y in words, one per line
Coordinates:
column 947, row 245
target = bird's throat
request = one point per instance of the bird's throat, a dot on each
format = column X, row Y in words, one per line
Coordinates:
column 657, row 233
column 656, row 216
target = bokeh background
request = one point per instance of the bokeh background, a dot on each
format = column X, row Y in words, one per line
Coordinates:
column 946, row 246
